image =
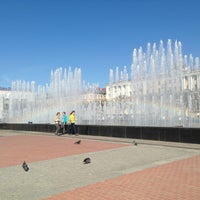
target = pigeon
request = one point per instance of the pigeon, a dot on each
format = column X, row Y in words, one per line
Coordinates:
column 25, row 166
column 87, row 160
column 77, row 142
column 134, row 142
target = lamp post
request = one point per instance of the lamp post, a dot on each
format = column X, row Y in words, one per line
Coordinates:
column 180, row 123
column 198, row 115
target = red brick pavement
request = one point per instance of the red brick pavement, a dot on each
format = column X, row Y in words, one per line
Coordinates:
column 15, row 149
column 179, row 180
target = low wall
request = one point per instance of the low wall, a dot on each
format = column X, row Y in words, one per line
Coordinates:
column 171, row 134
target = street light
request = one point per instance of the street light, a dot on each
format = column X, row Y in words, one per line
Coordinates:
column 198, row 115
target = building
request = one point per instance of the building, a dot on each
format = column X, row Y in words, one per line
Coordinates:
column 4, row 103
column 117, row 89
column 188, row 87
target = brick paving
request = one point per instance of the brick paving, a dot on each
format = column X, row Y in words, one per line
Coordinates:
column 33, row 148
column 118, row 170
column 176, row 180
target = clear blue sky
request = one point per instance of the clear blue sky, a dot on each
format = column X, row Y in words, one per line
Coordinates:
column 37, row 36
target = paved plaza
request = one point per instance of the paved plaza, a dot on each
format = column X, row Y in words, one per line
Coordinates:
column 151, row 170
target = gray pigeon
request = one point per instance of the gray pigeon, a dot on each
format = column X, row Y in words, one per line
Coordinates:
column 77, row 142
column 134, row 142
column 25, row 166
column 87, row 160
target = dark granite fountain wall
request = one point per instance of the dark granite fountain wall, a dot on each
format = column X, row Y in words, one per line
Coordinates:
column 171, row 134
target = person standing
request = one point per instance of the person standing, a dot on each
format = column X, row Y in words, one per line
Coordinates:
column 72, row 122
column 57, row 123
column 64, row 122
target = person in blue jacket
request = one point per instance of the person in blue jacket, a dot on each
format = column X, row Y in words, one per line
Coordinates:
column 64, row 122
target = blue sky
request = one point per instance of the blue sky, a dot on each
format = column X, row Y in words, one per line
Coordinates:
column 96, row 35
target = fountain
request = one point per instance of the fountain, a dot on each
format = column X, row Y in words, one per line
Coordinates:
column 157, row 95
